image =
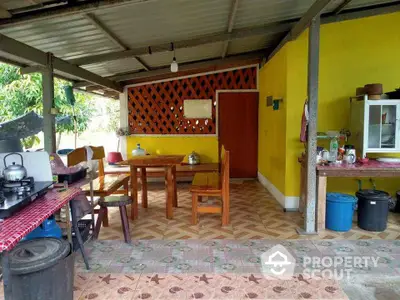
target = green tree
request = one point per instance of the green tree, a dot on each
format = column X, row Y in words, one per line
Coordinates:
column 20, row 94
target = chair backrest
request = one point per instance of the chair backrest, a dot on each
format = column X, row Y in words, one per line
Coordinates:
column 79, row 155
column 224, row 169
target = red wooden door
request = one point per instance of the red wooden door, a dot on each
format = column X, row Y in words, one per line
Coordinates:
column 238, row 131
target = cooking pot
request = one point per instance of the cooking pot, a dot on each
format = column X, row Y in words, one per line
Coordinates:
column 193, row 158
column 14, row 172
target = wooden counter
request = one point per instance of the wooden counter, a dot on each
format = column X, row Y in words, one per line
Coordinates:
column 371, row 169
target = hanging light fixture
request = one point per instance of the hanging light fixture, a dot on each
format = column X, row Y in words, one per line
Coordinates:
column 174, row 64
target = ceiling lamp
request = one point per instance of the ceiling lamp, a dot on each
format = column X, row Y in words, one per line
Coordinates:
column 174, row 64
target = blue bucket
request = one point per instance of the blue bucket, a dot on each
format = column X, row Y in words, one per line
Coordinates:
column 339, row 211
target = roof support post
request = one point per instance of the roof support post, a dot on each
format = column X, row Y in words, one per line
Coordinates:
column 312, row 87
column 49, row 128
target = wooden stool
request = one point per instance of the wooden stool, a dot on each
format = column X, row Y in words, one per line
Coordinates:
column 114, row 201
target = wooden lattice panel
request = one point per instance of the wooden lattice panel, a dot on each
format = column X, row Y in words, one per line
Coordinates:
column 157, row 108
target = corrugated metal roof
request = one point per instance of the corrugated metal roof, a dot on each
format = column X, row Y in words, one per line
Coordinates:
column 115, row 66
column 253, row 43
column 143, row 24
column 154, row 22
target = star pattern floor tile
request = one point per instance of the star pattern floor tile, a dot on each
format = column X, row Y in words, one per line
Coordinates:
column 255, row 214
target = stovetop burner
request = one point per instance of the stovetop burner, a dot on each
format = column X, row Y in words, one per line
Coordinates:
column 19, row 187
column 16, row 195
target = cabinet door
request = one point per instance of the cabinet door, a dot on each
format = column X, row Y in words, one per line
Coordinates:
column 382, row 127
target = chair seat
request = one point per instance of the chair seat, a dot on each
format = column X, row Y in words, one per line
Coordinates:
column 107, row 184
column 206, row 182
column 115, row 201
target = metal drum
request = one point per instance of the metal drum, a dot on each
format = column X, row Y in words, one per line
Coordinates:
column 41, row 269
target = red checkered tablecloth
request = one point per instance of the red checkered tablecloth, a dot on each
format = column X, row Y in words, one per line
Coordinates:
column 24, row 221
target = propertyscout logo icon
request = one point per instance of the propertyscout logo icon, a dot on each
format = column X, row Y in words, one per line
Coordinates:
column 278, row 263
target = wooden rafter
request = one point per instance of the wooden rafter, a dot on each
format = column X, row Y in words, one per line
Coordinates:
column 113, row 37
column 341, row 6
column 231, row 22
column 315, row 10
column 39, row 57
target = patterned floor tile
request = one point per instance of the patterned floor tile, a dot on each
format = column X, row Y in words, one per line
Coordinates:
column 254, row 214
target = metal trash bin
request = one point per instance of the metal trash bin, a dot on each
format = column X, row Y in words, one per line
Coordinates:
column 41, row 269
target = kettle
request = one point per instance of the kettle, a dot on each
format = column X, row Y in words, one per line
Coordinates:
column 14, row 172
column 193, row 158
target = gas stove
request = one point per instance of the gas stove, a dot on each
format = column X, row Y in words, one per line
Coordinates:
column 16, row 195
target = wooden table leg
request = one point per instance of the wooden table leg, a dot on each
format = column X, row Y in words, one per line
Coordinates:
column 134, row 193
column 143, row 179
column 321, row 202
column 175, row 194
column 169, row 192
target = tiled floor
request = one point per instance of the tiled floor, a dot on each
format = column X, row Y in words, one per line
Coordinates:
column 232, row 269
column 255, row 214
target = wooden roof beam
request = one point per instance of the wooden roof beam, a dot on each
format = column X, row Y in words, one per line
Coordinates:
column 341, row 6
column 38, row 57
column 315, row 10
column 112, row 37
column 166, row 47
column 231, row 22
column 236, row 59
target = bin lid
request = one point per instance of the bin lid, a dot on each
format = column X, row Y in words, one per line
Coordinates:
column 375, row 195
column 37, row 254
column 339, row 197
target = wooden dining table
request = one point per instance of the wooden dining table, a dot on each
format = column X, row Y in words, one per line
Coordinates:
column 168, row 162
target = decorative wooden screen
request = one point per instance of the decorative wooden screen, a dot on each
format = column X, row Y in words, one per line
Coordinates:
column 157, row 108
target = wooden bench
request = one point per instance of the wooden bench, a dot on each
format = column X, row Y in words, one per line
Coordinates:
column 214, row 184
column 105, row 184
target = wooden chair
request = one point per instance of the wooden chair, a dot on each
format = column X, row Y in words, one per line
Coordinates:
column 212, row 184
column 105, row 184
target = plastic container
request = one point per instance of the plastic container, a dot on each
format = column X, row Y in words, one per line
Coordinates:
column 138, row 151
column 41, row 269
column 373, row 209
column 73, row 177
column 339, row 211
column 49, row 228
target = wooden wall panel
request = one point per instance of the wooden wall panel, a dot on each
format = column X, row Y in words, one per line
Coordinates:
column 157, row 108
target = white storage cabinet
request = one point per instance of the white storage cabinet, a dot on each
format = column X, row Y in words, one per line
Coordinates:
column 374, row 126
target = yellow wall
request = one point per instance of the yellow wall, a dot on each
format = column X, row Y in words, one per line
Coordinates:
column 350, row 56
column 206, row 146
column 272, row 124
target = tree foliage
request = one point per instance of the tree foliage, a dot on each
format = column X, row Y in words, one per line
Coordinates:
column 20, row 94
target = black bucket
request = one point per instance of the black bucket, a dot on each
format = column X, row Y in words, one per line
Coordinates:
column 373, row 209
column 41, row 269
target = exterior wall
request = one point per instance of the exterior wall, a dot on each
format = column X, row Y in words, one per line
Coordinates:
column 349, row 57
column 182, row 141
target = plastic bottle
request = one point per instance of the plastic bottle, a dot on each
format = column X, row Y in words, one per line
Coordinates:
column 333, row 149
